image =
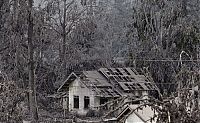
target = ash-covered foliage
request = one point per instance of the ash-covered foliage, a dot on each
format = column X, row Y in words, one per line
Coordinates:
column 12, row 101
column 74, row 36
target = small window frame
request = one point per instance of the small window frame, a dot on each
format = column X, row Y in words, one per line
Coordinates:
column 86, row 102
column 76, row 102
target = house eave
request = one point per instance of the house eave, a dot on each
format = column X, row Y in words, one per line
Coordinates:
column 60, row 88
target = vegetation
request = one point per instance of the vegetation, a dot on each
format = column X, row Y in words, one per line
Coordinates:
column 42, row 42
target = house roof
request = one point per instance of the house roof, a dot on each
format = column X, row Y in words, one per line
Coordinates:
column 98, row 83
column 95, row 78
column 128, row 79
column 145, row 113
column 66, row 83
column 111, row 81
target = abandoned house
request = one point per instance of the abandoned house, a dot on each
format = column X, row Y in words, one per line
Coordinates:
column 89, row 89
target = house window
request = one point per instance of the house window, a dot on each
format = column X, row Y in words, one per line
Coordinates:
column 76, row 101
column 195, row 94
column 103, row 100
column 86, row 102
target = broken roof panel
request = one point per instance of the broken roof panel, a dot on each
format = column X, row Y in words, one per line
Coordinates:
column 107, row 92
column 127, row 86
column 128, row 78
column 116, row 79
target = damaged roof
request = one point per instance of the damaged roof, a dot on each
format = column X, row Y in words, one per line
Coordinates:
column 128, row 79
column 111, row 81
column 99, row 84
column 66, row 83
column 95, row 78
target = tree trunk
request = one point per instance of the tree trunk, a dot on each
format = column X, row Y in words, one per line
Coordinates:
column 63, row 24
column 32, row 88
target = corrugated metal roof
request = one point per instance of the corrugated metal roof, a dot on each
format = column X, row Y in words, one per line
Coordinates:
column 112, row 81
column 98, row 83
column 128, row 78
column 95, row 78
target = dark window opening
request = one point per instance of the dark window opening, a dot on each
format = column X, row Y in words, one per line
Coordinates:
column 76, row 101
column 195, row 94
column 103, row 101
column 86, row 102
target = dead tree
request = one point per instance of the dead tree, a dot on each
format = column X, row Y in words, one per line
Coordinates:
column 32, row 88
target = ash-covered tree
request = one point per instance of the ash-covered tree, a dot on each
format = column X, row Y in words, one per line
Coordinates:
column 160, row 30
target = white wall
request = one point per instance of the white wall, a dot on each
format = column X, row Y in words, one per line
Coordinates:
column 76, row 88
column 133, row 118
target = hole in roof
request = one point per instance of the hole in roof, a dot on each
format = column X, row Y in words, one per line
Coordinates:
column 139, row 86
column 125, row 78
column 133, row 87
column 121, row 78
column 119, row 71
column 108, row 72
column 128, row 78
column 134, row 71
column 117, row 78
column 111, row 72
column 132, row 78
column 116, row 73
column 112, row 78
column 126, row 71
column 116, row 92
column 147, row 85
column 129, row 88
